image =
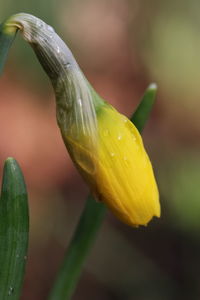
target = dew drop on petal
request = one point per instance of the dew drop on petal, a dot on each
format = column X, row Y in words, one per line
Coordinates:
column 119, row 137
column 124, row 119
column 133, row 137
column 126, row 160
column 112, row 154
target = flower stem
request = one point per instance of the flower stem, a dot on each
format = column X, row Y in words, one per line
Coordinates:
column 83, row 238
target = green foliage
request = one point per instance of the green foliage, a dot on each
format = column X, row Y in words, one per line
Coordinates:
column 143, row 110
column 78, row 250
column 14, row 229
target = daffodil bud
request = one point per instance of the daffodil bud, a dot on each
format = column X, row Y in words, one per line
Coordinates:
column 105, row 146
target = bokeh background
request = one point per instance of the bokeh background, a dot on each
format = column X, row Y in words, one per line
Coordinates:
column 122, row 46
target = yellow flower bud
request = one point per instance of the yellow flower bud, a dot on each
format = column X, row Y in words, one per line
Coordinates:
column 104, row 145
column 117, row 168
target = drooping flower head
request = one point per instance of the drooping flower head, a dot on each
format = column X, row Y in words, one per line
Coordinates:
column 105, row 146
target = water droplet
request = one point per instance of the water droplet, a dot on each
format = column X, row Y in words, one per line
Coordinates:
column 119, row 137
column 17, row 255
column 39, row 24
column 67, row 65
column 133, row 137
column 112, row 154
column 25, row 257
column 126, row 160
column 50, row 28
column 10, row 291
column 58, row 49
column 124, row 119
column 105, row 132
column 80, row 102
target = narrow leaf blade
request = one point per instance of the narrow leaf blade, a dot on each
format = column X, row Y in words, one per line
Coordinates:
column 78, row 250
column 144, row 108
column 14, row 228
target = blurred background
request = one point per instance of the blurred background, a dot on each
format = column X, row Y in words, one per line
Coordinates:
column 122, row 46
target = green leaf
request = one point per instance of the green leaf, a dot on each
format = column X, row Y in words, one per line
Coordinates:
column 144, row 108
column 14, row 228
column 91, row 220
column 83, row 238
column 6, row 40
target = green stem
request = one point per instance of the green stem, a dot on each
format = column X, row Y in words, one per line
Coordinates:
column 83, row 238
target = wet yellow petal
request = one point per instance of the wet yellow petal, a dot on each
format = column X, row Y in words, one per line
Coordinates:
column 125, row 179
column 118, row 169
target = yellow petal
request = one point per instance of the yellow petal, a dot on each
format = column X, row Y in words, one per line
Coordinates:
column 125, row 179
column 118, row 169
